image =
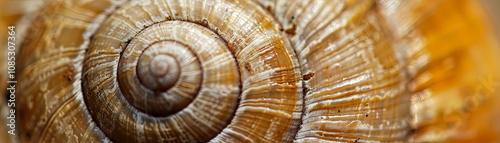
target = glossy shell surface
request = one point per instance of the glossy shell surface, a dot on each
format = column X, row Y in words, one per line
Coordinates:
column 258, row 71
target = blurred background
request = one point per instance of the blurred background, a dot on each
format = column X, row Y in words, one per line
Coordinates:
column 481, row 121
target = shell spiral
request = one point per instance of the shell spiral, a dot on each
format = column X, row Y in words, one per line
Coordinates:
column 239, row 71
column 174, row 71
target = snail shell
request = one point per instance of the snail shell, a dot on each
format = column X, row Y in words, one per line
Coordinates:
column 176, row 73
column 252, row 71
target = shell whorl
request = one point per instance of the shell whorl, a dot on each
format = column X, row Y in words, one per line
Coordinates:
column 178, row 72
column 246, row 71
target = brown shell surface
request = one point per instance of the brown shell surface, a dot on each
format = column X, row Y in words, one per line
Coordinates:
column 258, row 71
column 82, row 77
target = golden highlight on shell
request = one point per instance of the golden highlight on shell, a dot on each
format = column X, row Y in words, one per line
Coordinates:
column 253, row 71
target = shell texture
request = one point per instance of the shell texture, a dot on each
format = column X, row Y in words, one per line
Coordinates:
column 258, row 71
